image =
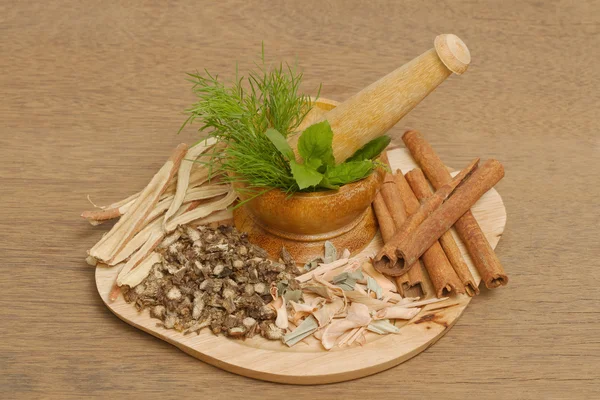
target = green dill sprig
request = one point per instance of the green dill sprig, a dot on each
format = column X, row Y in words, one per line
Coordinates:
column 238, row 115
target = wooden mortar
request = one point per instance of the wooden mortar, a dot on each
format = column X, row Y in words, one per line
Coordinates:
column 304, row 221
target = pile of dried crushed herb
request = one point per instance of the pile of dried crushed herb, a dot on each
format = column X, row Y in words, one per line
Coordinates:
column 216, row 278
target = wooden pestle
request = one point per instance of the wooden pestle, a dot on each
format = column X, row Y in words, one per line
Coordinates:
column 374, row 110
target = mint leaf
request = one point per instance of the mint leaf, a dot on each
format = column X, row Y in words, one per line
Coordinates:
column 280, row 143
column 319, row 169
column 315, row 144
column 328, row 159
column 349, row 172
column 371, row 149
column 313, row 163
column 327, row 185
column 304, row 175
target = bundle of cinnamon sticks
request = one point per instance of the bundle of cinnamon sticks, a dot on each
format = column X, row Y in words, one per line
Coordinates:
column 415, row 223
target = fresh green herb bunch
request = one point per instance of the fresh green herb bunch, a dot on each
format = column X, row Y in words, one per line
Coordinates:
column 318, row 169
column 251, row 120
column 238, row 117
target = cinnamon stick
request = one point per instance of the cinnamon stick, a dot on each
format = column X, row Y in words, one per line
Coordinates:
column 485, row 260
column 440, row 270
column 384, row 219
column 421, row 189
column 392, row 199
column 387, row 228
column 414, row 278
column 404, row 249
column 415, row 275
column 386, row 261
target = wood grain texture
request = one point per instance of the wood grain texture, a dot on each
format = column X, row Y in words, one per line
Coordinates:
column 308, row 363
column 92, row 94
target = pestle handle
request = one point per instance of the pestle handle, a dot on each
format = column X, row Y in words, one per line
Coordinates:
column 453, row 52
column 371, row 112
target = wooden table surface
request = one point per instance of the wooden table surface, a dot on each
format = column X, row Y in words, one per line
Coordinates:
column 92, row 95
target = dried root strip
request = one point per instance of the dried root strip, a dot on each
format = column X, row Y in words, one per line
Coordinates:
column 198, row 193
column 135, row 276
column 201, row 211
column 153, row 236
column 138, row 241
column 121, row 203
column 96, row 217
column 346, row 337
column 115, row 291
column 170, row 239
column 91, row 261
column 132, row 222
column 198, row 176
column 109, row 212
column 358, row 316
column 138, row 257
column 183, row 176
column 351, row 266
column 356, row 296
column 217, row 218
column 358, row 337
column 153, row 229
column 397, row 312
column 322, row 269
column 381, row 279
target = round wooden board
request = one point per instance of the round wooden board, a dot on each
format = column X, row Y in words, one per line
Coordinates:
column 308, row 363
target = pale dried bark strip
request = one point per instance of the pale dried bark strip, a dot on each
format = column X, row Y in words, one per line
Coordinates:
column 183, row 176
column 133, row 221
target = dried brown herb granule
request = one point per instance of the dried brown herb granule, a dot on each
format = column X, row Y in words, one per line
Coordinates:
column 215, row 278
